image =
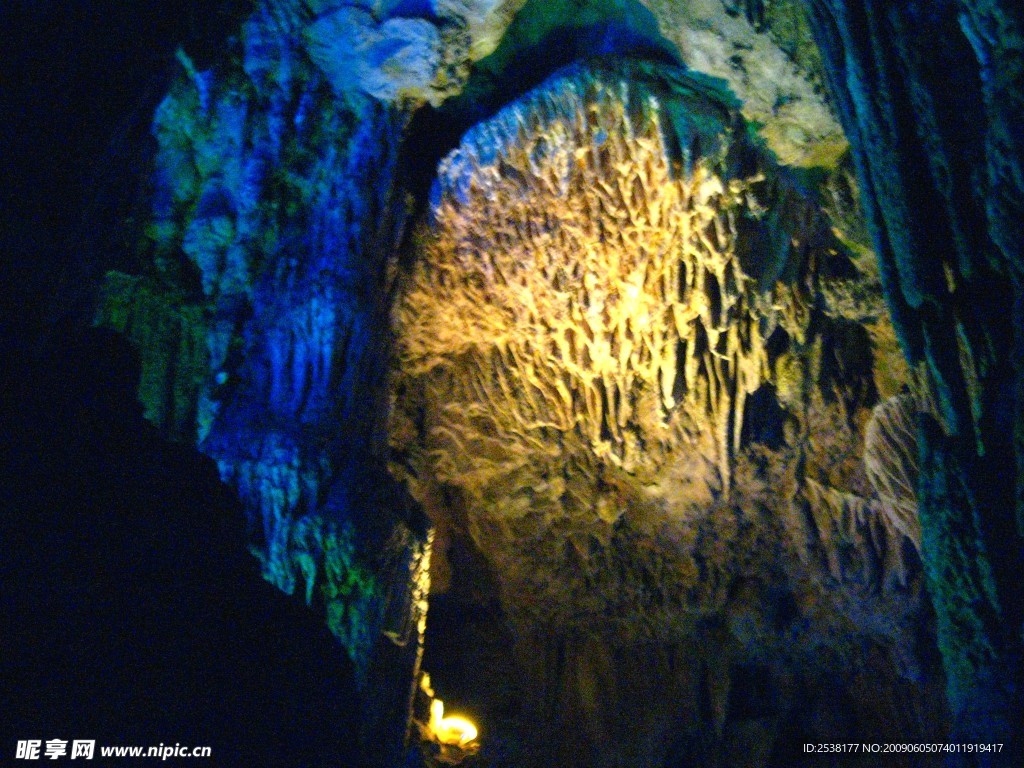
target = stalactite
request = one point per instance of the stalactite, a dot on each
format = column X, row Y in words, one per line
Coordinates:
column 585, row 320
column 590, row 313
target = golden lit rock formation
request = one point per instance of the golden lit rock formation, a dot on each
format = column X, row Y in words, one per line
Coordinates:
column 612, row 273
column 592, row 280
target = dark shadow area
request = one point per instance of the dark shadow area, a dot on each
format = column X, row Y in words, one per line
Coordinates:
column 132, row 612
column 79, row 83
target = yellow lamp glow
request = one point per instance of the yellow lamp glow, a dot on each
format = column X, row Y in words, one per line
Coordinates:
column 450, row 730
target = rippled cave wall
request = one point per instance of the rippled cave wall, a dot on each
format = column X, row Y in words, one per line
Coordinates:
column 570, row 309
column 931, row 96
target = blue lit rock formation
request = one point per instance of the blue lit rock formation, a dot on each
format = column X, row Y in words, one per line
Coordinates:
column 275, row 211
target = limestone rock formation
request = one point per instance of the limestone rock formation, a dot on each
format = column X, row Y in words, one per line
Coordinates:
column 763, row 50
column 626, row 360
column 619, row 378
column 890, row 458
column 925, row 92
column 484, row 20
column 398, row 58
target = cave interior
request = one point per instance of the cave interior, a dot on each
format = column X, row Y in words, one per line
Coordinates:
column 512, row 383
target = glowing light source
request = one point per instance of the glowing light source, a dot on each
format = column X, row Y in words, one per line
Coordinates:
column 452, row 730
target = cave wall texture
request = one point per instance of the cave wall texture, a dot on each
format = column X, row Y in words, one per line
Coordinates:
column 939, row 160
column 672, row 338
column 633, row 370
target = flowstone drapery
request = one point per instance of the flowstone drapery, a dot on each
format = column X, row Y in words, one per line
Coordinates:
column 611, row 271
column 633, row 369
column 604, row 288
column 890, row 458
